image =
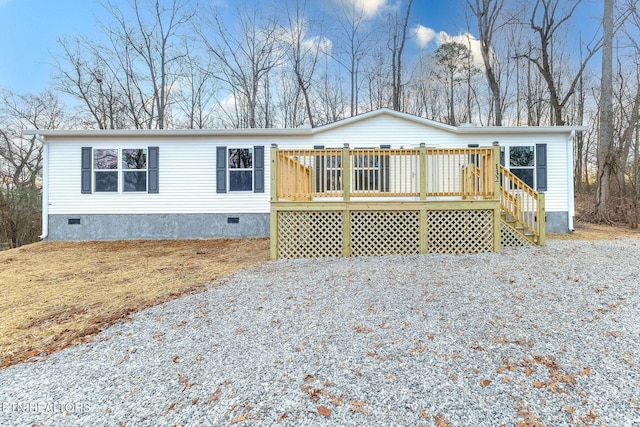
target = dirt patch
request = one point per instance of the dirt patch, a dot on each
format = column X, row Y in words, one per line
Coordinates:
column 591, row 231
column 55, row 294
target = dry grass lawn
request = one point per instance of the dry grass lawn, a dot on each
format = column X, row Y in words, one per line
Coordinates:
column 55, row 294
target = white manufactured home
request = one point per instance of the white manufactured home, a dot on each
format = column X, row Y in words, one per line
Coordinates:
column 185, row 184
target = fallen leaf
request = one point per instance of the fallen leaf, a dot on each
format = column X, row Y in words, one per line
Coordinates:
column 423, row 414
column 440, row 421
column 585, row 372
column 213, row 397
column 336, row 401
column 539, row 384
column 240, row 418
column 282, row 417
column 528, row 370
column 485, row 382
column 324, row 411
column 358, row 406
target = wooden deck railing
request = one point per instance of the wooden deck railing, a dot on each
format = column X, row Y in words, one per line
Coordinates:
column 416, row 172
column 523, row 204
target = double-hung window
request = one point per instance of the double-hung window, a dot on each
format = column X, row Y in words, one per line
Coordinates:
column 522, row 163
column 134, row 170
column 119, row 170
column 527, row 162
column 105, row 170
column 240, row 169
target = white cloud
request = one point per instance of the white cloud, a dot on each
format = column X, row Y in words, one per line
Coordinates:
column 368, row 8
column 424, row 35
column 228, row 103
column 466, row 39
column 322, row 44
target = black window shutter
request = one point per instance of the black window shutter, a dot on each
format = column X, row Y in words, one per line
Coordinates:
column 319, row 163
column 221, row 169
column 85, row 187
column 153, row 186
column 541, row 167
column 384, row 163
column 258, row 169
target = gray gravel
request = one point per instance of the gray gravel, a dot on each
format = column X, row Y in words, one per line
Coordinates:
column 533, row 334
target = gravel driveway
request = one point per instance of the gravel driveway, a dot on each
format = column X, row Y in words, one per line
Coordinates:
column 548, row 335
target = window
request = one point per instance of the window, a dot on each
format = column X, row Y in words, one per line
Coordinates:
column 112, row 170
column 522, row 163
column 105, row 166
column 529, row 163
column 240, row 169
column 134, row 170
column 366, row 169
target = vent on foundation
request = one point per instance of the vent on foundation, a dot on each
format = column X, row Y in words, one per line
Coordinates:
column 233, row 220
column 73, row 221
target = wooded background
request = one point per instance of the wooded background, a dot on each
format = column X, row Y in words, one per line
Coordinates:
column 171, row 64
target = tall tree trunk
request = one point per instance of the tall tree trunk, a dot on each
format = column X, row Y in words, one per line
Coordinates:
column 605, row 141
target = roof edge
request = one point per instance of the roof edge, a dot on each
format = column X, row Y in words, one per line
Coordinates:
column 303, row 131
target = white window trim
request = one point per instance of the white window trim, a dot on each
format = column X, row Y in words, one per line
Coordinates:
column 120, row 170
column 230, row 170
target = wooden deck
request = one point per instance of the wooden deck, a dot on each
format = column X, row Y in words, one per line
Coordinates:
column 363, row 202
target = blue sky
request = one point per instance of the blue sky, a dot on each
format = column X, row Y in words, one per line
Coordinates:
column 29, row 30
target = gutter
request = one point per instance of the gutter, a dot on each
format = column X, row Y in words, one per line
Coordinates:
column 45, row 186
column 571, row 189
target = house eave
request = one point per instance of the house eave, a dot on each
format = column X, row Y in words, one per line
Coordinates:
column 304, row 131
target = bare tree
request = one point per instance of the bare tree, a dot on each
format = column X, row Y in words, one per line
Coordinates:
column 452, row 58
column 397, row 41
column 547, row 21
column 152, row 37
column 487, row 14
column 605, row 142
column 128, row 81
column 356, row 36
column 21, row 162
column 244, row 58
column 303, row 53
column 196, row 92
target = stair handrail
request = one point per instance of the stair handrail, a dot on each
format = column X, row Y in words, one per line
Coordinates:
column 522, row 203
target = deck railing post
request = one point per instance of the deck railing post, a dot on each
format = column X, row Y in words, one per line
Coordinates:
column 542, row 219
column 423, row 171
column 495, row 154
column 346, row 174
column 497, row 195
column 273, row 216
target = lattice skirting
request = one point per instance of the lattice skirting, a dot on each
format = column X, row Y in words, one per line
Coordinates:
column 458, row 232
column 375, row 233
column 315, row 234
column 309, row 234
column 511, row 237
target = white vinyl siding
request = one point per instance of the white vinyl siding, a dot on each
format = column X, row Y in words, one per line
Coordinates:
column 187, row 164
